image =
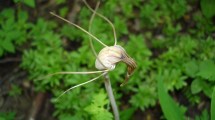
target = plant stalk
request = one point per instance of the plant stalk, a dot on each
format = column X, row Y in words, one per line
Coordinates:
column 111, row 96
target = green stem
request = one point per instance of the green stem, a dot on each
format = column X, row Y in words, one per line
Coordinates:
column 111, row 96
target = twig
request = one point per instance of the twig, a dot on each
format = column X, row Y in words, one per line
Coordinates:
column 37, row 104
column 111, row 96
column 6, row 60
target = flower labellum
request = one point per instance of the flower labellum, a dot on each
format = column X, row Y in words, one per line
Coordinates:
column 108, row 57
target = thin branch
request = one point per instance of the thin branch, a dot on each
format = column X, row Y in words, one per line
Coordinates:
column 6, row 60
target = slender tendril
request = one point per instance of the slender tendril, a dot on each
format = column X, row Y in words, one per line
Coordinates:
column 90, row 24
column 90, row 27
column 79, row 28
column 100, row 15
column 80, row 85
column 83, row 73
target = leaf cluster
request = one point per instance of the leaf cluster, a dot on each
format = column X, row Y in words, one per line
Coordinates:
column 13, row 30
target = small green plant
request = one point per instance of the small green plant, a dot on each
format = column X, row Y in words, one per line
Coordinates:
column 203, row 74
column 97, row 107
column 13, row 30
column 34, row 59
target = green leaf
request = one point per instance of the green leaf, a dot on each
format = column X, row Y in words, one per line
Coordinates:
column 60, row 1
column 100, row 99
column 7, row 13
column 207, row 70
column 16, row 1
column 22, row 16
column 96, row 108
column 8, row 46
column 63, row 11
column 69, row 117
column 213, row 105
column 207, row 89
column 145, row 97
column 169, row 107
column 208, row 8
column 127, row 113
column 7, row 115
column 191, row 68
column 196, row 86
column 30, row 3
column 1, row 51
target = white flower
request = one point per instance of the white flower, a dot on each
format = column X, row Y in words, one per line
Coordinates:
column 108, row 57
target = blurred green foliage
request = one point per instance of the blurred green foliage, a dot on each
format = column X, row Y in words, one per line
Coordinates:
column 13, row 30
column 212, row 105
column 203, row 116
column 170, row 40
column 7, row 115
column 30, row 3
column 207, row 8
column 96, row 108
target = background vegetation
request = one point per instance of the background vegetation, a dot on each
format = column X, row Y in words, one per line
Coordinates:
column 172, row 42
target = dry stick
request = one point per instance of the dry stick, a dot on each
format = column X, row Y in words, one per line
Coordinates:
column 107, row 79
column 111, row 96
